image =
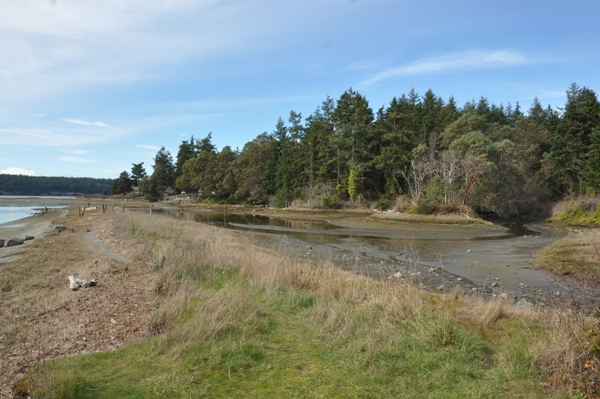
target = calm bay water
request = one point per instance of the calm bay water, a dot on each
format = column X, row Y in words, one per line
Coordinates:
column 12, row 213
column 9, row 213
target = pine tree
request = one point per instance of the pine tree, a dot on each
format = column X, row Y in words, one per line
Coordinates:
column 164, row 172
column 571, row 142
column 137, row 173
column 186, row 151
column 593, row 165
column 123, row 184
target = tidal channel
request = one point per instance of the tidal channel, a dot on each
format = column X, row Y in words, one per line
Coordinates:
column 486, row 260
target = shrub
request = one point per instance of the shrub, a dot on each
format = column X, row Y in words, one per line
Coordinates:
column 425, row 207
column 402, row 204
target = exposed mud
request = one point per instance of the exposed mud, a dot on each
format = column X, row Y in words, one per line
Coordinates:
column 488, row 259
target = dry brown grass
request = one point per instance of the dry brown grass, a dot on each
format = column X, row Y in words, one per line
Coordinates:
column 40, row 315
column 184, row 255
column 578, row 254
column 376, row 310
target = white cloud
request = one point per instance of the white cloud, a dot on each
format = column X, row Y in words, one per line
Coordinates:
column 148, row 147
column 17, row 171
column 40, row 137
column 72, row 45
column 86, row 123
column 362, row 65
column 75, row 160
column 74, row 152
column 549, row 94
column 467, row 60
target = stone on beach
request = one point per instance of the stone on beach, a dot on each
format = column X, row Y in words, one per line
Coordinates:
column 525, row 304
column 15, row 241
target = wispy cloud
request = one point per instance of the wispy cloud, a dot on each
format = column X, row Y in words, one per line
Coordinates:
column 17, row 171
column 362, row 65
column 467, row 60
column 74, row 152
column 86, row 123
column 148, row 147
column 549, row 94
column 75, row 160
column 49, row 138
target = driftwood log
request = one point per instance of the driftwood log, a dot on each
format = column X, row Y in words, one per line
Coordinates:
column 76, row 282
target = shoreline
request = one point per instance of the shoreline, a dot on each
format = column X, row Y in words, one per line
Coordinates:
column 36, row 226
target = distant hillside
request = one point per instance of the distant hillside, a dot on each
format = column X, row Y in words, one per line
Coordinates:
column 44, row 185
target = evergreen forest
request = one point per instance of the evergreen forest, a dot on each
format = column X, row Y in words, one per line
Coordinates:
column 44, row 185
column 430, row 152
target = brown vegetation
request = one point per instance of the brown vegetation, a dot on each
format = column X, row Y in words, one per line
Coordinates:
column 578, row 255
column 172, row 257
column 38, row 312
column 561, row 353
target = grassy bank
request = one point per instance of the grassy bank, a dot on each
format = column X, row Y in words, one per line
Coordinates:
column 582, row 211
column 239, row 321
column 578, row 255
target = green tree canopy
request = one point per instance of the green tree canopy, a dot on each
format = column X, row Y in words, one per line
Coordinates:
column 123, row 184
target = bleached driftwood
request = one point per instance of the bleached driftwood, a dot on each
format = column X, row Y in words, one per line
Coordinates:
column 76, row 282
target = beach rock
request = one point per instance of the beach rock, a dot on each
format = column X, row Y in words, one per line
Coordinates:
column 15, row 241
column 28, row 238
column 59, row 228
column 1, row 243
column 525, row 304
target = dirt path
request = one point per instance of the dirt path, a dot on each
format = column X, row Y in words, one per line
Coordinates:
column 41, row 318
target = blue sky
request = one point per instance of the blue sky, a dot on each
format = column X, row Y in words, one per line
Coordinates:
column 90, row 87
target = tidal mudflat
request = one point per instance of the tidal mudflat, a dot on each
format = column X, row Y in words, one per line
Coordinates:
column 481, row 258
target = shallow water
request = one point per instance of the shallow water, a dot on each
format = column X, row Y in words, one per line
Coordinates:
column 12, row 213
column 484, row 260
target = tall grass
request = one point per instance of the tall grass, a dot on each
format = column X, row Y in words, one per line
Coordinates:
column 241, row 321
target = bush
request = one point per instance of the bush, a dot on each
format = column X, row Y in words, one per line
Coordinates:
column 382, row 205
column 425, row 207
column 402, row 204
column 449, row 209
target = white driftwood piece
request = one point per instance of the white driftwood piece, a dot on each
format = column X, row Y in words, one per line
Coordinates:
column 75, row 283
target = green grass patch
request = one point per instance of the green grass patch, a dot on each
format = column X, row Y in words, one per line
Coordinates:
column 220, row 333
column 282, row 351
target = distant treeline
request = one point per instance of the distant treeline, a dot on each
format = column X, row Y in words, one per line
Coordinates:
column 43, row 185
column 418, row 150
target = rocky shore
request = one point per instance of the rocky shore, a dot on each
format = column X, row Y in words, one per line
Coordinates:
column 26, row 230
